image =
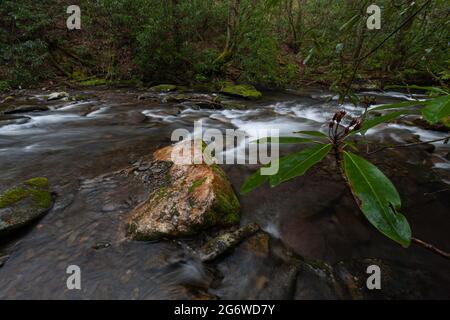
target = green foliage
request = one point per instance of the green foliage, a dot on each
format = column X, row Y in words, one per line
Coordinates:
column 399, row 105
column 312, row 133
column 290, row 166
column 298, row 163
column 23, row 49
column 4, row 86
column 434, row 109
column 275, row 43
column 378, row 198
column 373, row 122
column 26, row 61
column 253, row 182
column 437, row 109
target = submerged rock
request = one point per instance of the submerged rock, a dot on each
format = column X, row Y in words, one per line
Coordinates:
column 25, row 109
column 196, row 197
column 23, row 204
column 221, row 244
column 241, row 91
column 11, row 119
column 57, row 95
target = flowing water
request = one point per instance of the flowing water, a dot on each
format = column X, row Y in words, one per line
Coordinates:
column 78, row 145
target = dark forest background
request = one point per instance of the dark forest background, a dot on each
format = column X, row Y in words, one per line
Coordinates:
column 271, row 43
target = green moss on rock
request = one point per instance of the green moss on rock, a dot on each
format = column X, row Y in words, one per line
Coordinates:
column 35, row 188
column 195, row 184
column 242, row 90
column 227, row 207
column 164, row 88
column 12, row 196
column 38, row 182
column 24, row 203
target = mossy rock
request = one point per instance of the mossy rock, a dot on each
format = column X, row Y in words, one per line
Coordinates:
column 241, row 91
column 23, row 204
column 88, row 81
column 197, row 197
column 164, row 88
column 94, row 82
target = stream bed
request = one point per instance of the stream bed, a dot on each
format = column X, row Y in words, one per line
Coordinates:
column 81, row 145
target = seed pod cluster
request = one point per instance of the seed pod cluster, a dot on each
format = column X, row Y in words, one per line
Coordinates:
column 355, row 124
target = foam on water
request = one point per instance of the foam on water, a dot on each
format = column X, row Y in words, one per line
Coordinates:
column 97, row 112
column 73, row 105
column 37, row 123
column 424, row 135
column 397, row 95
column 159, row 114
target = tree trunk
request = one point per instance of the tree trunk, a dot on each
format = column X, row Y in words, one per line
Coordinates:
column 232, row 26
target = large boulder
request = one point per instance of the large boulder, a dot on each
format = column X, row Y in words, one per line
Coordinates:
column 23, row 204
column 197, row 196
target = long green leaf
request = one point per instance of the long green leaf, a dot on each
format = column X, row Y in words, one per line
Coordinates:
column 399, row 105
column 298, row 163
column 312, row 133
column 437, row 109
column 283, row 140
column 378, row 198
column 254, row 181
column 381, row 119
column 426, row 88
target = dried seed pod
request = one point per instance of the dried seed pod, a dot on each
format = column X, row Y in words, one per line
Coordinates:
column 358, row 125
column 335, row 116
column 340, row 115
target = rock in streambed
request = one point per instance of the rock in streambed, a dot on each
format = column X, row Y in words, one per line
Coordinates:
column 23, row 204
column 196, row 197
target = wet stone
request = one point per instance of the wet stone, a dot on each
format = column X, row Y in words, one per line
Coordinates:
column 101, row 245
column 194, row 198
column 23, row 204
